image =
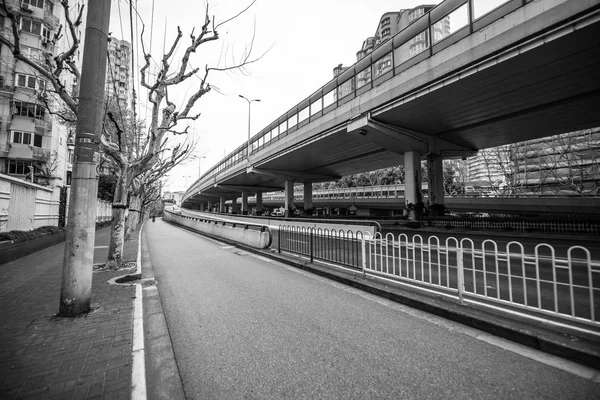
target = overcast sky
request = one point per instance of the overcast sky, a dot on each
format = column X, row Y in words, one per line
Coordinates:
column 304, row 41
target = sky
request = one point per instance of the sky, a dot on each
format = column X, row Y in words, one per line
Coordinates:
column 300, row 43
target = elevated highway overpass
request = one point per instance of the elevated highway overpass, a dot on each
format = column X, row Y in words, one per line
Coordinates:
column 527, row 69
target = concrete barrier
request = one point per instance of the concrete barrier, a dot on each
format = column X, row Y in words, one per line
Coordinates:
column 274, row 223
column 249, row 234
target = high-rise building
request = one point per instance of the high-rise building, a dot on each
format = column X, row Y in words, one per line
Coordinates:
column 389, row 25
column 117, row 71
column 34, row 145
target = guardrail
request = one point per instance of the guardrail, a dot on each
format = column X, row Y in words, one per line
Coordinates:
column 274, row 222
column 253, row 235
column 566, row 287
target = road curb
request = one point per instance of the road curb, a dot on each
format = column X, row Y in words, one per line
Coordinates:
column 162, row 372
column 138, row 369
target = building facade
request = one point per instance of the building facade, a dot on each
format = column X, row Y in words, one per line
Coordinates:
column 389, row 25
column 565, row 164
column 34, row 144
column 118, row 71
column 173, row 197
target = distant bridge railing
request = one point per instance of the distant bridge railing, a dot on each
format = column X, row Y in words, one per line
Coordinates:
column 430, row 33
column 397, row 191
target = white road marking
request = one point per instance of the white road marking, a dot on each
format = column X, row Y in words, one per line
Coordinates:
column 101, row 247
column 138, row 368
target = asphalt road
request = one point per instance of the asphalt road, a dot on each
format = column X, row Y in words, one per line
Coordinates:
column 243, row 326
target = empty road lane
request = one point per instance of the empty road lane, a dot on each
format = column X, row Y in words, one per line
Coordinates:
column 243, row 326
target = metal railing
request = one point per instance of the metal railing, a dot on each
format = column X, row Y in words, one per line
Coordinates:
column 567, row 287
column 564, row 286
column 337, row 246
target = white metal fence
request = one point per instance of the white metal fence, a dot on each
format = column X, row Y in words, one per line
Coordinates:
column 565, row 285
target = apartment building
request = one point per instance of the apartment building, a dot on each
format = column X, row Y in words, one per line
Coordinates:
column 118, row 71
column 389, row 25
column 34, row 144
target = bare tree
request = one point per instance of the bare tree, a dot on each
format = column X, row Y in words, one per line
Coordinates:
column 131, row 158
column 572, row 165
column 153, row 157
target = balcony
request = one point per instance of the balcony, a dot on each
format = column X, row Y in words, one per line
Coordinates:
column 20, row 151
column 39, row 153
column 51, row 19
column 6, row 88
column 43, row 123
column 4, row 149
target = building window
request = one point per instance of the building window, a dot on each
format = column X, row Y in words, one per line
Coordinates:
column 28, row 25
column 21, row 137
column 385, row 32
column 385, row 21
column 30, row 82
column 416, row 14
column 46, row 33
column 34, row 3
column 18, row 167
column 37, row 141
column 24, row 109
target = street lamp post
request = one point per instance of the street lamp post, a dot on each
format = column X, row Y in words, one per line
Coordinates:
column 249, row 102
column 199, row 169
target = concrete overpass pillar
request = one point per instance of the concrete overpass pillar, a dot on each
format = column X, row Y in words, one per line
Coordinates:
column 259, row 206
column 245, row 202
column 235, row 209
column 201, row 206
column 289, row 198
column 221, row 204
column 435, row 168
column 412, row 182
column 308, row 201
column 210, row 206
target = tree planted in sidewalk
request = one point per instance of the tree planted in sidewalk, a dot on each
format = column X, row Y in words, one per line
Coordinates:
column 156, row 154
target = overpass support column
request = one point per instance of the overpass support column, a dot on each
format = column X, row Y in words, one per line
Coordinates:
column 435, row 169
column 289, row 198
column 221, row 204
column 308, row 201
column 202, row 207
column 245, row 203
column 259, row 206
column 210, row 205
column 235, row 209
column 412, row 182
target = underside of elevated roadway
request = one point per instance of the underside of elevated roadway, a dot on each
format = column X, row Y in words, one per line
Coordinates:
column 531, row 74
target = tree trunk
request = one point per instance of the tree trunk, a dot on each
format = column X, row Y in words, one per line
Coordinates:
column 134, row 217
column 119, row 215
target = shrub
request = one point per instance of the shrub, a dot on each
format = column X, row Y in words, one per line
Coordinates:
column 22, row 236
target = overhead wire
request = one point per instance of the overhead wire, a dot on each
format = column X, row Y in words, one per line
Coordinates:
column 133, row 67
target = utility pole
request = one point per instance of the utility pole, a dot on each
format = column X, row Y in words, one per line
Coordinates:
column 76, row 289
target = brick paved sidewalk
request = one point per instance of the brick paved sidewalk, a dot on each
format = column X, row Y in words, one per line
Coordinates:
column 46, row 357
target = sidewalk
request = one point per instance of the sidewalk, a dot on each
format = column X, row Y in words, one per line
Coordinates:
column 46, row 357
